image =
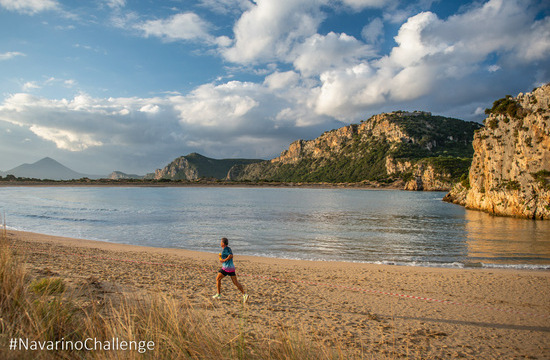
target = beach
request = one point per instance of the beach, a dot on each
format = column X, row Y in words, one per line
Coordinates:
column 362, row 310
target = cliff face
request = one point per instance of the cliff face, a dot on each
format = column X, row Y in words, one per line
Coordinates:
column 510, row 170
column 388, row 147
column 178, row 169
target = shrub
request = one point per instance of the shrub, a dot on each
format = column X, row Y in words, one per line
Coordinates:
column 48, row 286
column 506, row 106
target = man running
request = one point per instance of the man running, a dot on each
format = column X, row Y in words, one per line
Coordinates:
column 228, row 268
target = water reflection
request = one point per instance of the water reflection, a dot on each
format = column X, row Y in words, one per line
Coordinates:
column 499, row 240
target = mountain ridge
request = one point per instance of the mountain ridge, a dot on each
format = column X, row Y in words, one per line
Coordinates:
column 423, row 151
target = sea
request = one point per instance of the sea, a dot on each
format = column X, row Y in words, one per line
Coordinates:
column 335, row 224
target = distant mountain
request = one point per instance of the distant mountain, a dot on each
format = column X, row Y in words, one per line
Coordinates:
column 195, row 166
column 47, row 168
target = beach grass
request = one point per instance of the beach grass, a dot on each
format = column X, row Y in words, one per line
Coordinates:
column 49, row 311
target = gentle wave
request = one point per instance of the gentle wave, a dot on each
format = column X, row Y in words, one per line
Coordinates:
column 61, row 218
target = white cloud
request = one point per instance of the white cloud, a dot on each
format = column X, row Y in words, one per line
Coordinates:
column 183, row 26
column 433, row 55
column 10, row 55
column 64, row 139
column 536, row 44
column 321, row 53
column 271, row 28
column 29, row 85
column 29, row 6
column 216, row 106
column 150, row 108
column 373, row 31
column 82, row 122
column 282, row 80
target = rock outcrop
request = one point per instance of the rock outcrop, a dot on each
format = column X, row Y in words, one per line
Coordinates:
column 178, row 169
column 119, row 175
column 510, row 171
column 415, row 147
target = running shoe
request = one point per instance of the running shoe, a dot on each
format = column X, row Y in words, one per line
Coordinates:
column 217, row 296
column 245, row 298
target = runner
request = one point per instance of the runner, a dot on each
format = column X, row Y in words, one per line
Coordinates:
column 228, row 268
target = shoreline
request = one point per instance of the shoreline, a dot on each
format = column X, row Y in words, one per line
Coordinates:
column 205, row 183
column 450, row 266
column 387, row 309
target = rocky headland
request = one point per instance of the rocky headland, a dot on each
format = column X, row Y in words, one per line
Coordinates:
column 415, row 150
column 510, row 171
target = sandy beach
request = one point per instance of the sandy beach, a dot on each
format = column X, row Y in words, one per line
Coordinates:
column 363, row 310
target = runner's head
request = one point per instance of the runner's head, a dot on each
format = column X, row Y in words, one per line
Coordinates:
column 224, row 242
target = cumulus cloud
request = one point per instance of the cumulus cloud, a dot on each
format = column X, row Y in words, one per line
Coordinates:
column 432, row 53
column 281, row 80
column 217, row 106
column 269, row 30
column 64, row 139
column 321, row 53
column 82, row 122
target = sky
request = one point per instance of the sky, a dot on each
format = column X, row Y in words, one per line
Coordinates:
column 104, row 85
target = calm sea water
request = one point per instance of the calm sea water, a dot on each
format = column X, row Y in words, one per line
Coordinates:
column 390, row 227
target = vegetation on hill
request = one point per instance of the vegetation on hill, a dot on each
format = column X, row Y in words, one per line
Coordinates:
column 414, row 139
column 196, row 166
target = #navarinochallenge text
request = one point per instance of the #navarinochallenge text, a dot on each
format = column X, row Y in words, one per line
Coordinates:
column 88, row 344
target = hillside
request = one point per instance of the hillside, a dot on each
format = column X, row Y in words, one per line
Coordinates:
column 195, row 166
column 46, row 168
column 422, row 151
column 510, row 172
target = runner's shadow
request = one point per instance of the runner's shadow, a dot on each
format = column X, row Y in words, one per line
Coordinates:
column 475, row 323
column 382, row 317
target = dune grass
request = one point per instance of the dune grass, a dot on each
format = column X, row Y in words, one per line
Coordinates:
column 47, row 310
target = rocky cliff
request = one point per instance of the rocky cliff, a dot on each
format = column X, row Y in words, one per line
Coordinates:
column 424, row 151
column 195, row 166
column 510, row 172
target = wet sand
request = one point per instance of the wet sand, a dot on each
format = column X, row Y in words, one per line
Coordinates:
column 363, row 310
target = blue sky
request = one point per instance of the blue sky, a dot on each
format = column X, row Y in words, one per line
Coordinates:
column 107, row 85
